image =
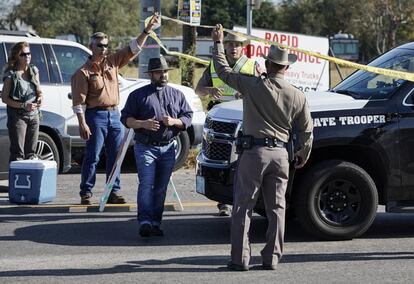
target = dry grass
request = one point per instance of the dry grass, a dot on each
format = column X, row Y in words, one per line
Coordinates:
column 191, row 160
column 335, row 78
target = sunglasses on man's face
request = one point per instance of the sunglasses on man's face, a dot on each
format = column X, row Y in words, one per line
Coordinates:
column 23, row 54
column 100, row 45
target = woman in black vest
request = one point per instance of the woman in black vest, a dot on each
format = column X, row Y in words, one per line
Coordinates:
column 21, row 93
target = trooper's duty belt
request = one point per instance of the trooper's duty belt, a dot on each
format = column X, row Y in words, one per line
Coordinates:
column 247, row 142
column 269, row 142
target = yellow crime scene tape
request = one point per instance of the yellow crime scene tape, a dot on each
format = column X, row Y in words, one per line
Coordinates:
column 387, row 72
column 154, row 36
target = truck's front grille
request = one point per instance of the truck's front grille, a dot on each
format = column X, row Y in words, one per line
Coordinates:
column 217, row 151
column 221, row 126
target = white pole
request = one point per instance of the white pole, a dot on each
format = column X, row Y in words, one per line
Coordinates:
column 175, row 194
column 116, row 169
column 249, row 15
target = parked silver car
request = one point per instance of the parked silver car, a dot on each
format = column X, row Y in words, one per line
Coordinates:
column 54, row 144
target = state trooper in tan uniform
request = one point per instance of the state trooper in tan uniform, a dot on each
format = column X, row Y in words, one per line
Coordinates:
column 272, row 108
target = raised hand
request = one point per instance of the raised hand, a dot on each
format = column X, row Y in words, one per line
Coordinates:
column 217, row 33
column 154, row 22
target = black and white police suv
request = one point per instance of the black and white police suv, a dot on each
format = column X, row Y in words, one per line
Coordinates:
column 362, row 153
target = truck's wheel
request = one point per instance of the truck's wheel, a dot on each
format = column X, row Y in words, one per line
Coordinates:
column 336, row 200
column 47, row 150
column 182, row 148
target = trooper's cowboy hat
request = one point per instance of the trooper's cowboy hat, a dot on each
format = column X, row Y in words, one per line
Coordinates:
column 280, row 56
column 157, row 64
column 234, row 38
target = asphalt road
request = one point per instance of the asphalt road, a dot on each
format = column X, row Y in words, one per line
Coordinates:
column 61, row 247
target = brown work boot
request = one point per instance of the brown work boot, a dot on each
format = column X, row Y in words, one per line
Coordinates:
column 115, row 198
column 86, row 199
column 145, row 230
column 156, row 231
column 224, row 209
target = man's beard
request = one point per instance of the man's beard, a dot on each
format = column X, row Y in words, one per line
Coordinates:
column 160, row 83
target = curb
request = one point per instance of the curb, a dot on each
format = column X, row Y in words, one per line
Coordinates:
column 76, row 208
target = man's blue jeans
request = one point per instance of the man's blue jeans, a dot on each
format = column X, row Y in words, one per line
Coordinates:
column 106, row 129
column 154, row 165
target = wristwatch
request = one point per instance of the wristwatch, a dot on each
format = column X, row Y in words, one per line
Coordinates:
column 23, row 105
column 217, row 41
column 145, row 32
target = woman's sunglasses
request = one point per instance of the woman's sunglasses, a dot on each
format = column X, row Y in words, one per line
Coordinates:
column 23, row 54
column 100, row 45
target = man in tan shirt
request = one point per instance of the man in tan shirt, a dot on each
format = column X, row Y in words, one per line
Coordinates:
column 272, row 108
column 95, row 89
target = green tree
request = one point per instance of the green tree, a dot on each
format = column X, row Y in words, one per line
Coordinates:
column 218, row 11
column 169, row 9
column 117, row 18
column 266, row 17
column 384, row 24
column 6, row 10
column 316, row 17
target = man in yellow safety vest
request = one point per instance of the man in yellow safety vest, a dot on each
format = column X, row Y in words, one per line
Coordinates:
column 211, row 84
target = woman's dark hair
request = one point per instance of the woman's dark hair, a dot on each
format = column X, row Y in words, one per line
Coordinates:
column 16, row 50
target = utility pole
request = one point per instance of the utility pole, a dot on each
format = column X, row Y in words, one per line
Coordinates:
column 250, row 5
column 189, row 47
column 249, row 18
column 249, row 15
column 150, row 48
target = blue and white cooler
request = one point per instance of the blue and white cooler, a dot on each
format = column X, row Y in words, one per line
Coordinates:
column 32, row 181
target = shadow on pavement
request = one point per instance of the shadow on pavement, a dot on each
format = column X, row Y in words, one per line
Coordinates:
column 203, row 230
column 180, row 229
column 196, row 263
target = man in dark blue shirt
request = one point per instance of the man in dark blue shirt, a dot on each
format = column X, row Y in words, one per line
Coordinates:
column 157, row 113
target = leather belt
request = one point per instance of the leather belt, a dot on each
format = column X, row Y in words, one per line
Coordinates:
column 148, row 141
column 104, row 107
column 269, row 142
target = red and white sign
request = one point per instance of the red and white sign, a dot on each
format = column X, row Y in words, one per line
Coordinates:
column 308, row 72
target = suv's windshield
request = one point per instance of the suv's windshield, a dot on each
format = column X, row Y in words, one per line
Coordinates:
column 366, row 85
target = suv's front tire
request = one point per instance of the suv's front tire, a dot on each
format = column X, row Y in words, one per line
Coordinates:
column 182, row 146
column 336, row 200
column 47, row 150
